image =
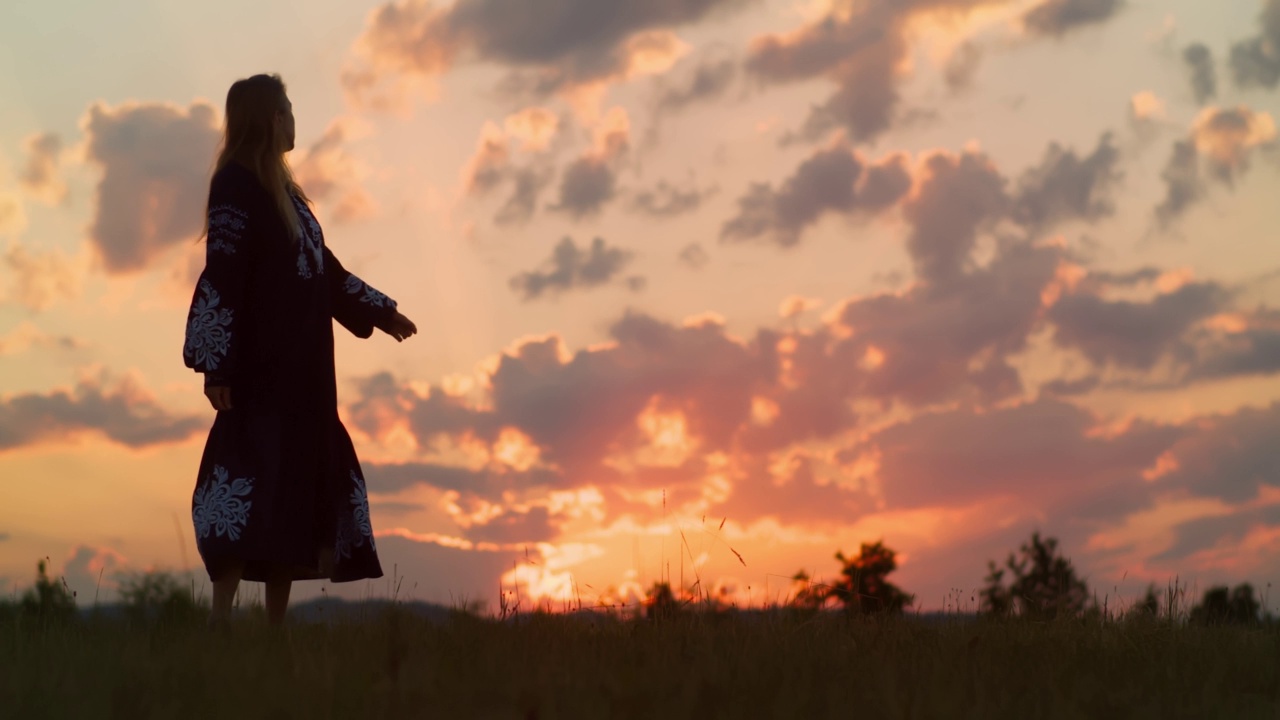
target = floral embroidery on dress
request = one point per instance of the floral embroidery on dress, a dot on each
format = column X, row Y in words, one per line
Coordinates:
column 208, row 330
column 219, row 507
column 354, row 529
column 310, row 242
column 356, row 286
column 226, row 222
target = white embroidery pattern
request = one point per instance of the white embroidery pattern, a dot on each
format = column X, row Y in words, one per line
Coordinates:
column 219, row 507
column 310, row 242
column 208, row 329
column 356, row 528
column 225, row 225
column 356, row 286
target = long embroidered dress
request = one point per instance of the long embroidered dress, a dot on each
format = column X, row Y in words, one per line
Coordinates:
column 279, row 481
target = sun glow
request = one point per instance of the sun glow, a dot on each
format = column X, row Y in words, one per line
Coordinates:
column 550, row 582
column 515, row 450
column 667, row 432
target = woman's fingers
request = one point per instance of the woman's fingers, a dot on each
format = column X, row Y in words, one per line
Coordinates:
column 219, row 397
column 403, row 328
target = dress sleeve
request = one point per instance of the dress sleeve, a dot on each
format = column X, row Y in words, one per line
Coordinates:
column 212, row 341
column 357, row 305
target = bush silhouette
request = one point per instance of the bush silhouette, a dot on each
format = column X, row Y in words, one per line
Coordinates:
column 1227, row 607
column 1148, row 606
column 1044, row 584
column 158, row 597
column 660, row 603
column 48, row 600
column 809, row 595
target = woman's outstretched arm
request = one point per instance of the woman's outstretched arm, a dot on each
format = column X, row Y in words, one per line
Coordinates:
column 360, row 307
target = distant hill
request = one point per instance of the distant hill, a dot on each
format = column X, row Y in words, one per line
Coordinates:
column 322, row 610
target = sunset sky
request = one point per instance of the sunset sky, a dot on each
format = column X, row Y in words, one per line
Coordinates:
column 777, row 277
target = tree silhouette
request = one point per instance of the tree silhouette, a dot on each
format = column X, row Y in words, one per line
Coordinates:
column 1227, row 607
column 1044, row 585
column 863, row 588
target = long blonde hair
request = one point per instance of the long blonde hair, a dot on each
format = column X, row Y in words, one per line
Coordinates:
column 250, row 136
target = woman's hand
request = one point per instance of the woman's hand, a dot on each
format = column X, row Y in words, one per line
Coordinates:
column 219, row 396
column 400, row 327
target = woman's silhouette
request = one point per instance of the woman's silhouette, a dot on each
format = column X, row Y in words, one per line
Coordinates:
column 279, row 495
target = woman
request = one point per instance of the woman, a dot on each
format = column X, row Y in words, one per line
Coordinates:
column 279, row 495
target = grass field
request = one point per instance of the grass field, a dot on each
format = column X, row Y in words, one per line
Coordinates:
column 782, row 664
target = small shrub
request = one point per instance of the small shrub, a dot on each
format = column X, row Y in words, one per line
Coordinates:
column 160, row 598
column 49, row 600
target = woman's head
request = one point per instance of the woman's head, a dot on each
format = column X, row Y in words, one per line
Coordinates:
column 259, row 131
column 259, row 117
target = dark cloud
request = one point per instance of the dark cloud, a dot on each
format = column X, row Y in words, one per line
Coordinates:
column 958, row 196
column 527, row 186
column 494, row 166
column 694, row 256
column 1230, row 457
column 586, row 186
column 1253, row 350
column 666, row 200
column 1203, row 533
column 708, row 79
column 555, row 44
column 861, row 53
column 1058, row 17
column 124, row 415
column 4, row 536
column 1204, row 82
column 155, row 160
column 1135, row 334
column 864, row 49
column 1068, row 388
column 591, row 181
column 1227, row 137
column 1183, row 184
column 1125, row 278
column 1221, row 146
column 573, row 268
column 39, row 176
column 1255, row 62
column 957, row 457
column 1066, row 186
column 834, row 180
column 491, row 163
column 952, row 339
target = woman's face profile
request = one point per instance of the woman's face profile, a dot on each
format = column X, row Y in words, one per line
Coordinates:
column 285, row 125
